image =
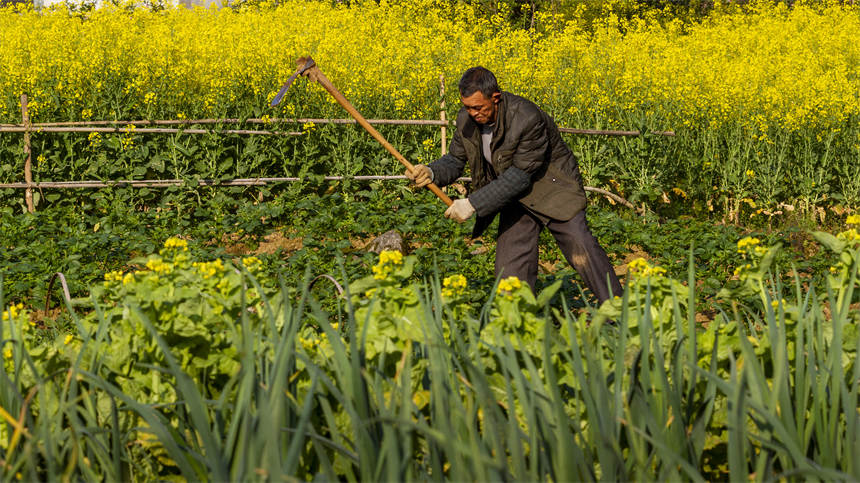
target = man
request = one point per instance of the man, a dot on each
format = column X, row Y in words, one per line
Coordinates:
column 522, row 170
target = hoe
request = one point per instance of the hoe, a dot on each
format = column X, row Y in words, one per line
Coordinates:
column 308, row 67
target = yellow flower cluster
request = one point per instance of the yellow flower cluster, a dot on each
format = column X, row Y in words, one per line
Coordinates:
column 115, row 276
column 453, row 286
column 13, row 311
column 742, row 268
column 308, row 345
column 127, row 140
column 507, row 286
column 174, row 243
column 849, row 236
column 209, row 269
column 745, row 70
column 159, row 266
column 252, row 264
column 853, row 220
column 388, row 260
column 640, row 268
column 95, row 140
column 750, row 245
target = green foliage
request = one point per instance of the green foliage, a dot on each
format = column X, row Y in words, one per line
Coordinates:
column 415, row 381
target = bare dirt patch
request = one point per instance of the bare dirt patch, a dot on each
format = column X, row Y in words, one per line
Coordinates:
column 42, row 319
column 236, row 244
column 804, row 244
column 277, row 241
column 361, row 243
column 635, row 252
column 547, row 266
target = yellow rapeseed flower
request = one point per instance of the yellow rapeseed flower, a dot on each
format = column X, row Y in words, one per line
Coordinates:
column 176, row 243
column 731, row 69
column 640, row 268
column 744, row 244
column 453, row 286
column 159, row 266
column 850, row 236
column 853, row 220
column 508, row 285
column 388, row 259
column 95, row 139
column 391, row 256
column 128, row 278
column 111, row 277
column 749, row 201
column 209, row 269
column 252, row 263
column 13, row 311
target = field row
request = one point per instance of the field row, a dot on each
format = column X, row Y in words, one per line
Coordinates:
column 766, row 124
column 205, row 368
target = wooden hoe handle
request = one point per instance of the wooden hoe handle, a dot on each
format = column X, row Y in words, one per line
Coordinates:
column 315, row 74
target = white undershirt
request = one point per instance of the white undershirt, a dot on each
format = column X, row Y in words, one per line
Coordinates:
column 486, row 140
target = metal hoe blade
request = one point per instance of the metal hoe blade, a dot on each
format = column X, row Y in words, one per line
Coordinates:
column 278, row 98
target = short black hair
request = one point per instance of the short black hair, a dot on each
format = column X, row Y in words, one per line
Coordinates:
column 478, row 79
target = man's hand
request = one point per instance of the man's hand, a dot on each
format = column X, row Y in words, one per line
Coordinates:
column 460, row 211
column 420, row 175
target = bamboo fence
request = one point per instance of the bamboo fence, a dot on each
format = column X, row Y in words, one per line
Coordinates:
column 29, row 129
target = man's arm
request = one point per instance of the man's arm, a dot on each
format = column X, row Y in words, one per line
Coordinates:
column 501, row 191
column 446, row 170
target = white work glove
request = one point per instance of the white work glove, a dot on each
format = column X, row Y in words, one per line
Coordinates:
column 420, row 175
column 460, row 211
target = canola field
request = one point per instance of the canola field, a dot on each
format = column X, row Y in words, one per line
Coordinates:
column 764, row 101
column 235, row 333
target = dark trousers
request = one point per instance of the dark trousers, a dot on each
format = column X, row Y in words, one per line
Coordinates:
column 517, row 250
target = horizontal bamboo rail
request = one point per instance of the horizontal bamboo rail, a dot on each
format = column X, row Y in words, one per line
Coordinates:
column 143, row 130
column 163, row 183
column 600, row 132
column 169, row 122
column 49, row 126
column 160, row 183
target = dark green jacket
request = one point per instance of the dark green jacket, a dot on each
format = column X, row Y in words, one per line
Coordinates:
column 531, row 164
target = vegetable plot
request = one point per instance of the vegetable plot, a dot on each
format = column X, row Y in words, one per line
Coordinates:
column 211, row 370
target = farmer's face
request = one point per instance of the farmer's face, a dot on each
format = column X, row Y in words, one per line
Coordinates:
column 481, row 108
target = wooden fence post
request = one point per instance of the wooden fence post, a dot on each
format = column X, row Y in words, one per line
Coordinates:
column 28, row 153
column 442, row 115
